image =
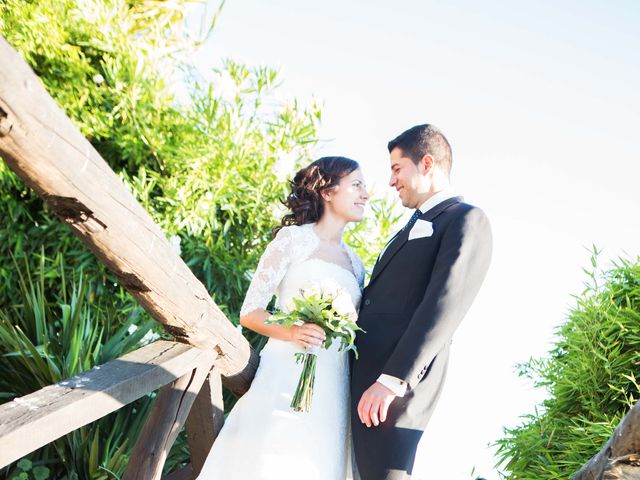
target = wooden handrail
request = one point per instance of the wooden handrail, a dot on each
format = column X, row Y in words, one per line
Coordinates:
column 29, row 422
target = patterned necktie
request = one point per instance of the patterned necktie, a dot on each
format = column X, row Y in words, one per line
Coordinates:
column 412, row 220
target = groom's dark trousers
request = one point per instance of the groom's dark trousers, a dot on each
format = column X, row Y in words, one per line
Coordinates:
column 419, row 291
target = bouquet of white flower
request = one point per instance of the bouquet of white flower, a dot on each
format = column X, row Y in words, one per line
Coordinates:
column 332, row 309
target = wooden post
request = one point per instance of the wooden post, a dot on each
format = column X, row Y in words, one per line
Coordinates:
column 620, row 457
column 167, row 416
column 42, row 146
column 205, row 420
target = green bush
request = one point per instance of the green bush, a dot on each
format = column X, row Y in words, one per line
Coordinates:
column 590, row 376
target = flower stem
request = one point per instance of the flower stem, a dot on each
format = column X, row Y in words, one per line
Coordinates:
column 304, row 391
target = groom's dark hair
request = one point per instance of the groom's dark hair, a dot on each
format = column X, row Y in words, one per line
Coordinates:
column 423, row 140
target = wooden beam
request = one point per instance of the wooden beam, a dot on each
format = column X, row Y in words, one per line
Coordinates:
column 168, row 415
column 29, row 422
column 205, row 420
column 620, row 457
column 184, row 473
column 42, row 146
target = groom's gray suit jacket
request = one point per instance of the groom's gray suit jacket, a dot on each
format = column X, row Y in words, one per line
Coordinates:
column 419, row 291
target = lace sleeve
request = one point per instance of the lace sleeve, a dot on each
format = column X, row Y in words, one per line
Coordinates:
column 358, row 267
column 360, row 272
column 271, row 269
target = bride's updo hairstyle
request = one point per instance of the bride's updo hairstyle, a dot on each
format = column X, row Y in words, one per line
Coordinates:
column 305, row 199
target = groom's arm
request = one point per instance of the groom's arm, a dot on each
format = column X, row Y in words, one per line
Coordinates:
column 460, row 268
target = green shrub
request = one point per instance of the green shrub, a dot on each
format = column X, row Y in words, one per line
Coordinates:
column 591, row 378
column 45, row 339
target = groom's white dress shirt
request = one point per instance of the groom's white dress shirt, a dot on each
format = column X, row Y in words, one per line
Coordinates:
column 397, row 386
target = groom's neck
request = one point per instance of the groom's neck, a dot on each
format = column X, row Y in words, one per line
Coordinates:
column 423, row 197
column 432, row 184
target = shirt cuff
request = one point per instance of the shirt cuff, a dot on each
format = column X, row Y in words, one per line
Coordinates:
column 397, row 386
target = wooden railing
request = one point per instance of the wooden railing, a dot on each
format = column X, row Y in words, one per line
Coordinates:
column 190, row 390
column 42, row 146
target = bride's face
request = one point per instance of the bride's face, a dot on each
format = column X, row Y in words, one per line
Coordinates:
column 348, row 198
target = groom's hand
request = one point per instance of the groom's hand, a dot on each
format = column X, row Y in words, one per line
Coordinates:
column 374, row 404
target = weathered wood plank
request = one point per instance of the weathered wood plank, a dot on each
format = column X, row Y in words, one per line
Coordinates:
column 42, row 146
column 185, row 473
column 29, row 422
column 168, row 415
column 205, row 420
column 620, row 457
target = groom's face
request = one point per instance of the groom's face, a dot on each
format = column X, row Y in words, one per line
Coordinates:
column 405, row 178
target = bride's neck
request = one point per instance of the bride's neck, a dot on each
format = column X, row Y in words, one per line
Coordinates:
column 330, row 229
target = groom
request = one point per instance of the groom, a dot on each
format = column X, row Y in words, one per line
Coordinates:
column 422, row 285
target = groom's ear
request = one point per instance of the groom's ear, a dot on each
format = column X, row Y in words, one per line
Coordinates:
column 426, row 164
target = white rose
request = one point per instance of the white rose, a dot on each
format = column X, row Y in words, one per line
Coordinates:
column 330, row 288
column 310, row 291
column 343, row 305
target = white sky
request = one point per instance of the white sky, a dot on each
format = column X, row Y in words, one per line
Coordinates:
column 540, row 101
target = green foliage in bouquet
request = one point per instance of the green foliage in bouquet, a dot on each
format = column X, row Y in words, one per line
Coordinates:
column 333, row 312
column 591, row 377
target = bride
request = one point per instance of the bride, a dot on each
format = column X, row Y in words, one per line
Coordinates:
column 262, row 438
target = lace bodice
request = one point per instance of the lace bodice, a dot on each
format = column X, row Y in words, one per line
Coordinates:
column 291, row 262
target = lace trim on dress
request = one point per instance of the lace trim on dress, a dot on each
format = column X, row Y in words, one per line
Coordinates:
column 292, row 244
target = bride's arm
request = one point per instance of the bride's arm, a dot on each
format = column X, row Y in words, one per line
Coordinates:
column 306, row 335
column 271, row 269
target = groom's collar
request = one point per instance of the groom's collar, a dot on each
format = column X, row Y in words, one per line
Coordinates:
column 436, row 199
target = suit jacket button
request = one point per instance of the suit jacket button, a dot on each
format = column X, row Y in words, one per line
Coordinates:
column 367, row 302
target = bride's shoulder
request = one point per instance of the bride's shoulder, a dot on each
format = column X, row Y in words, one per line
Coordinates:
column 287, row 230
column 293, row 233
column 352, row 252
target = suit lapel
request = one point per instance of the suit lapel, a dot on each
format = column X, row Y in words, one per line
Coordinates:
column 393, row 248
column 396, row 245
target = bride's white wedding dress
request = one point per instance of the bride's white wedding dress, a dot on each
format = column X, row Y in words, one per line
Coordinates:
column 263, row 439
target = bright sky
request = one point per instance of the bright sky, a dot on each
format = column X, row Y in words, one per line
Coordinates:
column 541, row 104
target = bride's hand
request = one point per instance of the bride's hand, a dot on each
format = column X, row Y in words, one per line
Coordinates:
column 307, row 335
